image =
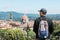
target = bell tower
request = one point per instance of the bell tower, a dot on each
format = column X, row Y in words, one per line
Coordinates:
column 11, row 17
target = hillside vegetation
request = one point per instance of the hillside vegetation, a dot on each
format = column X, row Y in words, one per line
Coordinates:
column 19, row 34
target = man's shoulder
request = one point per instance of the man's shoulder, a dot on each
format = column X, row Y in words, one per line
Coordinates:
column 48, row 19
column 37, row 18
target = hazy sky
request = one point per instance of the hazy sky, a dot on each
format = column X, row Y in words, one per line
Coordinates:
column 30, row 6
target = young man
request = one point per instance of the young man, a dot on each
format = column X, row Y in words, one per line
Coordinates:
column 42, row 13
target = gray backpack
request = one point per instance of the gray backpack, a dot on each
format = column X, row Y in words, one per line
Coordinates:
column 43, row 29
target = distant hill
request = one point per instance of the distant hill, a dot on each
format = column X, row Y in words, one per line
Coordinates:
column 54, row 16
column 18, row 16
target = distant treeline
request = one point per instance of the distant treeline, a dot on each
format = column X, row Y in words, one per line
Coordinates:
column 18, row 16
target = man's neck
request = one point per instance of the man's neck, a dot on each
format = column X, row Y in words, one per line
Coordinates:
column 42, row 16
